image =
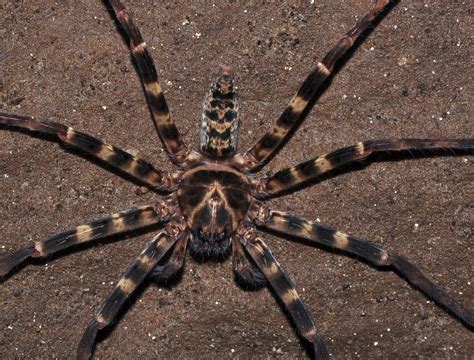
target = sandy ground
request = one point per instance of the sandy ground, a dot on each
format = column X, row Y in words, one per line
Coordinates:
column 65, row 60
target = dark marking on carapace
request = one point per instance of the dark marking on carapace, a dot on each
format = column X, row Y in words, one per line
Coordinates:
column 213, row 198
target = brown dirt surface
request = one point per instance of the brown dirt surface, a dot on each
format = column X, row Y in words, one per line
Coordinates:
column 412, row 76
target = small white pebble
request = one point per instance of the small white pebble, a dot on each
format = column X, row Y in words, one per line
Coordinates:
column 402, row 61
column 376, row 343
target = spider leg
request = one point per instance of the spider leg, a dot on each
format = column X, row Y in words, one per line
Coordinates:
column 312, row 169
column 290, row 224
column 119, row 222
column 133, row 277
column 136, row 168
column 165, row 126
column 175, row 263
column 246, row 273
column 301, row 103
column 286, row 293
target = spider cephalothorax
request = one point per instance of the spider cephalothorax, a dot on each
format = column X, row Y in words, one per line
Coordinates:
column 213, row 201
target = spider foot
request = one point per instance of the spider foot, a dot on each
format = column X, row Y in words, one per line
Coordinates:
column 320, row 351
column 84, row 350
column 12, row 260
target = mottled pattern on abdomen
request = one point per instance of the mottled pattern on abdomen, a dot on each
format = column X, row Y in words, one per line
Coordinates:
column 220, row 117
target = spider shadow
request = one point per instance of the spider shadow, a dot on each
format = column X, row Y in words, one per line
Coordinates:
column 327, row 83
column 83, row 155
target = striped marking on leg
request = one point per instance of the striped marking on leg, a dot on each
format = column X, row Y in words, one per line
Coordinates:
column 290, row 117
column 133, row 277
column 300, row 104
column 309, row 170
column 167, row 130
column 119, row 222
column 286, row 292
column 373, row 253
column 135, row 167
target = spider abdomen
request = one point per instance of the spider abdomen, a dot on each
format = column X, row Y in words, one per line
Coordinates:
column 214, row 199
column 220, row 117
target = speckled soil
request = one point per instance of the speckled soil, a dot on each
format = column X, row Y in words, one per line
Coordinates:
column 412, row 76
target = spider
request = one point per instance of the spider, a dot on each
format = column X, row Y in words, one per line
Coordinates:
column 214, row 204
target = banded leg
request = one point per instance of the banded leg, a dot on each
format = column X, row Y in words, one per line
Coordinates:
column 132, row 278
column 246, row 273
column 136, row 168
column 119, row 222
column 312, row 169
column 167, row 130
column 296, row 226
column 301, row 103
column 285, row 291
